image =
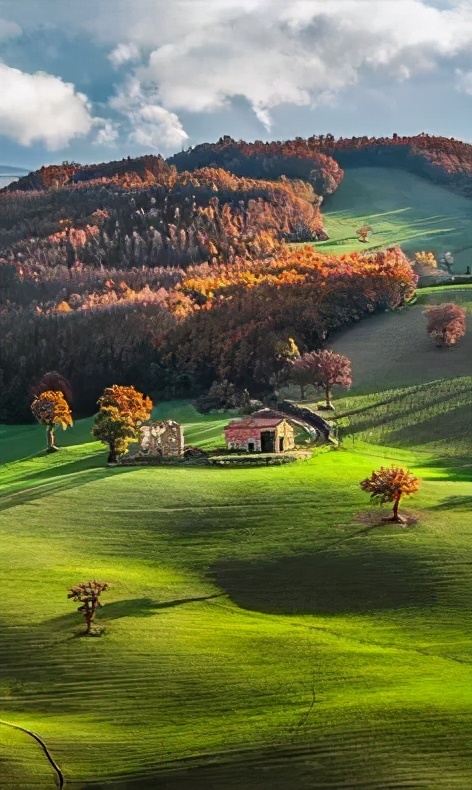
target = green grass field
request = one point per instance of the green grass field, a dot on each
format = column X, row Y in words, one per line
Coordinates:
column 402, row 209
column 260, row 630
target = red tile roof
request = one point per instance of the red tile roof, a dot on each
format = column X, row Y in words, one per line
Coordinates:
column 258, row 423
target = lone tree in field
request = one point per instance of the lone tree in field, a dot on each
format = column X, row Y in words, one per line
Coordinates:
column 446, row 323
column 55, row 382
column 88, row 594
column 389, row 484
column 363, row 233
column 122, row 410
column 323, row 369
column 51, row 409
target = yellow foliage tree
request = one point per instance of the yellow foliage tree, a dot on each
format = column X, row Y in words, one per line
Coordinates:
column 51, row 409
column 122, row 410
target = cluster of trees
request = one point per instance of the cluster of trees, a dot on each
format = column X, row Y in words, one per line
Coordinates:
column 144, row 168
column 223, row 322
column 441, row 159
column 222, row 395
column 270, row 160
column 90, row 348
column 52, row 242
column 242, row 313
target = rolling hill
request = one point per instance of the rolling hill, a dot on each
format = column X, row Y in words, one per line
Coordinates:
column 402, row 208
column 259, row 630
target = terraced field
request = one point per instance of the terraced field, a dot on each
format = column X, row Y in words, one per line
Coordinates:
column 261, row 628
column 402, row 209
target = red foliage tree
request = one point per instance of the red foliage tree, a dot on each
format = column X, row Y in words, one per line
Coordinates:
column 389, row 485
column 324, row 369
column 446, row 323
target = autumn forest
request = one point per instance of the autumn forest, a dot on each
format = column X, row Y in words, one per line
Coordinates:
column 173, row 275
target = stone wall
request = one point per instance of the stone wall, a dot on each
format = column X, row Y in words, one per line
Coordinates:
column 160, row 439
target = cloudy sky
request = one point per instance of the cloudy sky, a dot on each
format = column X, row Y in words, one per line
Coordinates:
column 90, row 80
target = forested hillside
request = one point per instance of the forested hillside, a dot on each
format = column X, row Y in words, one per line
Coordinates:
column 140, row 271
column 320, row 158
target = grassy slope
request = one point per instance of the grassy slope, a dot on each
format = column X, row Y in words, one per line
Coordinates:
column 393, row 349
column 402, row 209
column 406, row 392
column 334, row 655
column 373, row 620
column 375, row 623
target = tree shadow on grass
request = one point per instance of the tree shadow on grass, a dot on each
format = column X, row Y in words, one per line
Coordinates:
column 329, row 582
column 457, row 468
column 145, row 607
column 452, row 502
column 131, row 607
column 60, row 484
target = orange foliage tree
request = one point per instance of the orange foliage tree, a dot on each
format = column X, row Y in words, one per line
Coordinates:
column 389, row 484
column 446, row 323
column 363, row 232
column 122, row 410
column 50, row 409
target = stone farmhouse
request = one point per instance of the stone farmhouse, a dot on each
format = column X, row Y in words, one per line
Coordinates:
column 260, row 433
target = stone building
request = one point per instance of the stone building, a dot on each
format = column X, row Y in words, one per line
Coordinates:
column 160, row 439
column 263, row 434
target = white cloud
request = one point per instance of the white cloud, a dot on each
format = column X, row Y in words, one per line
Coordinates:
column 275, row 52
column 41, row 108
column 108, row 134
column 9, row 30
column 464, row 81
column 152, row 126
column 204, row 54
column 123, row 53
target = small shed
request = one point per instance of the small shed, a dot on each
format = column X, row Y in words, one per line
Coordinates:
column 263, row 434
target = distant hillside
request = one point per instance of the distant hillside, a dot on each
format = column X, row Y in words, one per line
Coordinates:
column 292, row 158
column 401, row 208
column 69, row 173
column 442, row 160
column 320, row 158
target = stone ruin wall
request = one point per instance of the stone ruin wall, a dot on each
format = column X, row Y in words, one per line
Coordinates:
column 160, row 439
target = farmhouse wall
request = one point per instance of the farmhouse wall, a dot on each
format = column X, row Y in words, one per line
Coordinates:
column 285, row 431
column 246, row 435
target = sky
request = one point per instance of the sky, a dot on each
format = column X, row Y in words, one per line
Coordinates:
column 94, row 80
